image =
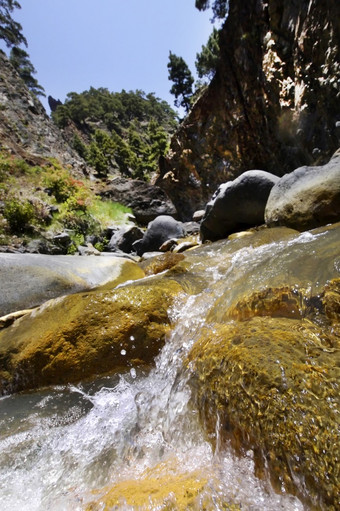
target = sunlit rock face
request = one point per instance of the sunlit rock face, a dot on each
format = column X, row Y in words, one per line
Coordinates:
column 273, row 103
column 86, row 334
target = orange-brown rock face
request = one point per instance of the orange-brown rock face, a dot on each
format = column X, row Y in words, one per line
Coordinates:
column 272, row 105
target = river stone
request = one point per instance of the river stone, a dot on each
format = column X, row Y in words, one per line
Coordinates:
column 164, row 487
column 28, row 280
column 159, row 230
column 306, row 198
column 124, row 238
column 86, row 334
column 274, row 384
column 237, row 205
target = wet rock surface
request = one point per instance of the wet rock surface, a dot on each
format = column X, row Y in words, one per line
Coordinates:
column 87, row 334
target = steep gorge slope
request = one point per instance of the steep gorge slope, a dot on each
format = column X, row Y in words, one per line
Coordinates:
column 274, row 103
column 25, row 128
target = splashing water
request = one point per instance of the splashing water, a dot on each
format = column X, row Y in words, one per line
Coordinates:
column 59, row 444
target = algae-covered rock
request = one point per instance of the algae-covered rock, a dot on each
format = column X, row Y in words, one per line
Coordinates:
column 163, row 489
column 78, row 336
column 274, row 384
column 161, row 263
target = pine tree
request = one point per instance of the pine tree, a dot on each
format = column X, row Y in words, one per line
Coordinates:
column 20, row 61
column 180, row 75
column 10, row 30
column 207, row 59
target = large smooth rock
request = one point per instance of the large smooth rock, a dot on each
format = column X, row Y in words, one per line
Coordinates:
column 159, row 230
column 28, row 280
column 237, row 205
column 147, row 201
column 86, row 334
column 308, row 197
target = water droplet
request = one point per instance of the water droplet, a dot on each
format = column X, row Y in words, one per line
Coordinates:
column 123, row 352
column 132, row 338
column 133, row 372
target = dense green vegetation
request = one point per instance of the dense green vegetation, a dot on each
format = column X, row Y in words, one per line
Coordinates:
column 41, row 201
column 123, row 131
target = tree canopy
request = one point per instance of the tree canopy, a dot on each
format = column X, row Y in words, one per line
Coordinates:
column 118, row 131
column 19, row 59
column 10, row 30
column 207, row 59
column 180, row 75
column 219, row 7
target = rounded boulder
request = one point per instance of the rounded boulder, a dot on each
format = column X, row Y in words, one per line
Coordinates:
column 237, row 205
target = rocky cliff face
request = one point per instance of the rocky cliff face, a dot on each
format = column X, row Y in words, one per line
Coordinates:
column 274, row 103
column 25, row 128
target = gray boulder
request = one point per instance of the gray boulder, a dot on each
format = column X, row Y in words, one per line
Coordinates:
column 124, row 238
column 147, row 201
column 306, row 198
column 237, row 205
column 159, row 230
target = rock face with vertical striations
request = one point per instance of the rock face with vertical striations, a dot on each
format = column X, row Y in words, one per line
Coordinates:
column 273, row 104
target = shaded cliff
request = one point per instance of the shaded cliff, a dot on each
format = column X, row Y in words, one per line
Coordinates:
column 25, row 128
column 273, row 103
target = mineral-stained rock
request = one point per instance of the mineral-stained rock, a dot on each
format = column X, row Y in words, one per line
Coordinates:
column 274, row 99
column 86, row 334
column 274, row 384
column 306, row 198
column 161, row 263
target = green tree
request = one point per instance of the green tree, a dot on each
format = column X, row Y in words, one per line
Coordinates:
column 10, row 30
column 19, row 59
column 207, row 59
column 125, row 141
column 180, row 75
column 220, row 8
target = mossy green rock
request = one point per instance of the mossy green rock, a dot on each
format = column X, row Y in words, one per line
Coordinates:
column 90, row 333
column 274, row 384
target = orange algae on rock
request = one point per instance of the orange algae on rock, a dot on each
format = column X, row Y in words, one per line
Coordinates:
column 274, row 384
column 86, row 334
column 161, row 488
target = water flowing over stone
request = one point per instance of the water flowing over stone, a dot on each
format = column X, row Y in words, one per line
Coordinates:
column 165, row 439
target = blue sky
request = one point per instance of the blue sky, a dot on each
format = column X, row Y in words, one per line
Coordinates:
column 117, row 44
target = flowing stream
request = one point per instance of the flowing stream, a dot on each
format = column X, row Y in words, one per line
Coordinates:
column 60, row 444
